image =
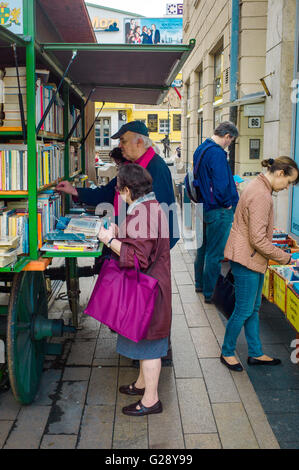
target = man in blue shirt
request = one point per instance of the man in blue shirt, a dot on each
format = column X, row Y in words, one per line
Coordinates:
column 219, row 198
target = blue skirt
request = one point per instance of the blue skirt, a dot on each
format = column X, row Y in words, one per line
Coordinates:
column 144, row 349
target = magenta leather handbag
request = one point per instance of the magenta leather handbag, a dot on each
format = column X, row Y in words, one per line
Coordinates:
column 123, row 299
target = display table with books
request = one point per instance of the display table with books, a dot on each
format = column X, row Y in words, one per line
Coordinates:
column 281, row 284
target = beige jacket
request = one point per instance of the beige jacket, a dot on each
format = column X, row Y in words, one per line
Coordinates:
column 250, row 239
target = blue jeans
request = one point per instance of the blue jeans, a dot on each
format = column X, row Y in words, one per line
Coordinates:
column 216, row 227
column 248, row 292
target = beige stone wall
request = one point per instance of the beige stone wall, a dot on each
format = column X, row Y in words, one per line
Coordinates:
column 210, row 24
column 278, row 107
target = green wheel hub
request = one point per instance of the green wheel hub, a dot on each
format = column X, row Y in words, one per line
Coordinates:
column 25, row 353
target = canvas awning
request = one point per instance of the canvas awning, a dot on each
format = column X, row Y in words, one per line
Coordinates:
column 122, row 73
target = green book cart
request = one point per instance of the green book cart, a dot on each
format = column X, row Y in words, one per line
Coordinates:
column 79, row 70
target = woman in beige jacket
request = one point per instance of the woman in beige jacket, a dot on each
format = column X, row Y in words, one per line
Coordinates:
column 249, row 247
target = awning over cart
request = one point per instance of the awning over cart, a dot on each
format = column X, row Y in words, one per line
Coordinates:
column 121, row 73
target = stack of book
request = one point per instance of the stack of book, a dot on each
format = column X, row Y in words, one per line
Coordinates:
column 8, row 250
column 49, row 206
column 89, row 226
column 54, row 120
column 44, row 93
column 50, row 163
column 11, row 99
column 74, row 113
column 13, row 167
column 70, row 242
column 75, row 158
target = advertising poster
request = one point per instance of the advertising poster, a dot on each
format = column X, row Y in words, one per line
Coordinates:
column 11, row 15
column 153, row 31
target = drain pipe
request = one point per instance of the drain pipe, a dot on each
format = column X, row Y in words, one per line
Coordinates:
column 234, row 70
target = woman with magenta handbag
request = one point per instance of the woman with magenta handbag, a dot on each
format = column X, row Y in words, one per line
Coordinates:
column 134, row 295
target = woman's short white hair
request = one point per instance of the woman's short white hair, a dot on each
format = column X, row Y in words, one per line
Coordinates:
column 146, row 140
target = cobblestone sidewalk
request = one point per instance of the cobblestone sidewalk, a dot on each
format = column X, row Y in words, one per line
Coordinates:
column 206, row 406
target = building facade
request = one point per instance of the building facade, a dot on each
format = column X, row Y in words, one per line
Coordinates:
column 241, row 70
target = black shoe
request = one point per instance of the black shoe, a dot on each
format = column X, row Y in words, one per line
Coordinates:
column 236, row 367
column 131, row 389
column 208, row 301
column 132, row 410
column 198, row 289
column 259, row 362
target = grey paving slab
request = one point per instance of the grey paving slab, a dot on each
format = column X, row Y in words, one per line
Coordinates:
column 259, row 422
column 5, row 427
column 196, row 412
column 96, row 431
column 9, row 407
column 76, row 373
column 284, row 425
column 288, row 400
column 205, row 342
column 234, row 428
column 202, row 441
column 219, row 382
column 183, row 278
column 185, row 358
column 55, row 441
column 188, row 294
column 48, row 387
column 177, row 308
column 82, row 353
column 29, row 428
column 174, row 287
column 195, row 315
column 102, row 386
column 165, row 429
column 129, row 432
column 66, row 414
column 106, row 347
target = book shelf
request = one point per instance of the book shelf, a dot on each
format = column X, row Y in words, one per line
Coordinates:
column 72, row 100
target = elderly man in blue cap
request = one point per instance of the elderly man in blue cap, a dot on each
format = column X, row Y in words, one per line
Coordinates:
column 137, row 148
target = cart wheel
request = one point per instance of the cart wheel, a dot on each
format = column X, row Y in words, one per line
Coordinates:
column 73, row 288
column 25, row 354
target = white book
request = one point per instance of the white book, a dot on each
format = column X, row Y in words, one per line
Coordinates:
column 12, row 71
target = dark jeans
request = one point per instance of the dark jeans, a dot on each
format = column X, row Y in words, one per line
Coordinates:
column 216, row 227
column 248, row 292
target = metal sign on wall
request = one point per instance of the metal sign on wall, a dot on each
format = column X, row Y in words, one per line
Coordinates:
column 174, row 9
column 152, row 122
column 11, row 15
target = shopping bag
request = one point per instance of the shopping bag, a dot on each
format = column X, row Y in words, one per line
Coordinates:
column 224, row 294
column 123, row 299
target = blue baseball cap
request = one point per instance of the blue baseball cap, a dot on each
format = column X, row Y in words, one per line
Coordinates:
column 134, row 126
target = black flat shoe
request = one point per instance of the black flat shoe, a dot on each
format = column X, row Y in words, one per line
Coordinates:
column 259, row 362
column 208, row 301
column 131, row 389
column 198, row 289
column 132, row 410
column 236, row 367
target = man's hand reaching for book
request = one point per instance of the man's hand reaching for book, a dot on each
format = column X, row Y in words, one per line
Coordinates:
column 67, row 188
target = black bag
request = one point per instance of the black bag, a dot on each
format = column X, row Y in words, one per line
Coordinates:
column 191, row 181
column 224, row 294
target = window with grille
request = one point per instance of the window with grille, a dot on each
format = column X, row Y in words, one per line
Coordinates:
column 163, row 126
column 102, row 132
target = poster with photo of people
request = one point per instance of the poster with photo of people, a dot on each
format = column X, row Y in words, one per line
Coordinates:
column 153, row 31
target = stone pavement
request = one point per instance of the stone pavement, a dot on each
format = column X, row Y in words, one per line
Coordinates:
column 78, row 406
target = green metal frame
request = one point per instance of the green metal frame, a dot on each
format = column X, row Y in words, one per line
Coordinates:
column 28, row 41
